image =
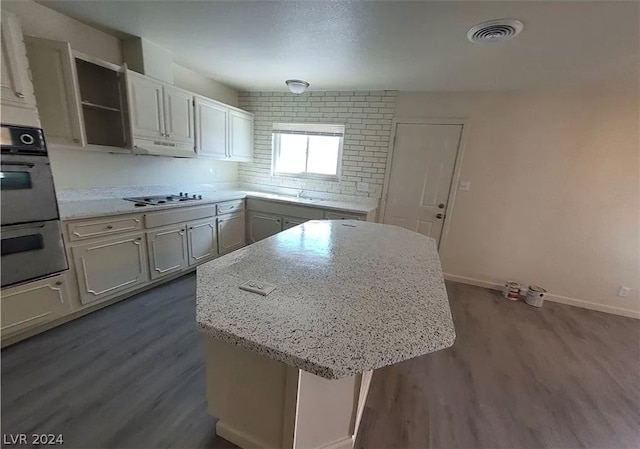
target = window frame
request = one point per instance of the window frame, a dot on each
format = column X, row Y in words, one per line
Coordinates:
column 275, row 152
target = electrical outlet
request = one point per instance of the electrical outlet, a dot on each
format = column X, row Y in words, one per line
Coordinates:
column 623, row 292
column 362, row 187
column 465, row 185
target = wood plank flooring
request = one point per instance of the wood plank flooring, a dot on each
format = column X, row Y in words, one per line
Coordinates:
column 516, row 377
column 132, row 376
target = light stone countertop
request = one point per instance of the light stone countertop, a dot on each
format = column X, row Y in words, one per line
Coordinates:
column 351, row 296
column 99, row 207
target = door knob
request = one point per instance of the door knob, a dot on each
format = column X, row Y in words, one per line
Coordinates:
column 441, row 206
column 440, row 216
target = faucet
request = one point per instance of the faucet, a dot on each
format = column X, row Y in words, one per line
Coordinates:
column 300, row 192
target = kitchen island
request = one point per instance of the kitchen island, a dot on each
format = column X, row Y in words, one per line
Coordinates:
column 292, row 368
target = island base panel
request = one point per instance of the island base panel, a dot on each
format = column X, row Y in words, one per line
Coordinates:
column 262, row 403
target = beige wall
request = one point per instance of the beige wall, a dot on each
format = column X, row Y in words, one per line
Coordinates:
column 40, row 21
column 75, row 169
column 554, row 196
column 200, row 84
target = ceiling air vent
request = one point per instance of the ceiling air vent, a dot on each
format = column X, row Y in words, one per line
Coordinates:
column 495, row 31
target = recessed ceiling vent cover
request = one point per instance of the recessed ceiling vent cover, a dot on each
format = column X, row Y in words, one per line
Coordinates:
column 495, row 31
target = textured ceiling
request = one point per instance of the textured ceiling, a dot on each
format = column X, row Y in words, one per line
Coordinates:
column 384, row 45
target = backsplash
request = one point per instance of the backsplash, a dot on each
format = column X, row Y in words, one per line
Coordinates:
column 367, row 117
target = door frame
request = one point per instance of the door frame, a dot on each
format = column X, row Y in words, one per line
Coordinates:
column 457, row 168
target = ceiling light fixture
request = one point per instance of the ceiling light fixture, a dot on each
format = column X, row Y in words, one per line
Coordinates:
column 297, row 86
column 495, row 31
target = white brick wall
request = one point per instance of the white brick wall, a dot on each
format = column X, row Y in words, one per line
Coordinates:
column 367, row 118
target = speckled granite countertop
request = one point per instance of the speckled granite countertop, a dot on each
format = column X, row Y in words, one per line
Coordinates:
column 351, row 296
column 98, row 207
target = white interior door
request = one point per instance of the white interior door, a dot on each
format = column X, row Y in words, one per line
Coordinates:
column 422, row 167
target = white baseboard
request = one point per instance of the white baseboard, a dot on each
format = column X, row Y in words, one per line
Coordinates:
column 238, row 437
column 550, row 297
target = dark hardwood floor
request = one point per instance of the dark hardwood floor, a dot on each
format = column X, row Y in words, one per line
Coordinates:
column 131, row 376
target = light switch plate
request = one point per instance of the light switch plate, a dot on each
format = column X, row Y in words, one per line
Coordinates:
column 261, row 288
column 464, row 185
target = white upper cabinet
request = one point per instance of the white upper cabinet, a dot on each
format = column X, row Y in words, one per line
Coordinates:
column 211, row 128
column 55, row 81
column 146, row 107
column 161, row 117
column 80, row 98
column 178, row 107
column 240, row 136
column 18, row 99
column 223, row 132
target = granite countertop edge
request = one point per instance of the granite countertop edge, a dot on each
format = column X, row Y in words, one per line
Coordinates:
column 95, row 208
column 327, row 372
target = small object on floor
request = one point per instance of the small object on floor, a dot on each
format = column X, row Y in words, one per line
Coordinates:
column 535, row 296
column 261, row 288
column 511, row 290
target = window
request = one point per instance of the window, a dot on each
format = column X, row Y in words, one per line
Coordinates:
column 307, row 150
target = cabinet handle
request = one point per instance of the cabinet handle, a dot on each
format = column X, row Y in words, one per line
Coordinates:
column 191, row 228
column 167, row 135
column 59, row 282
column 76, row 140
column 139, row 238
column 19, row 95
column 109, row 227
column 181, row 233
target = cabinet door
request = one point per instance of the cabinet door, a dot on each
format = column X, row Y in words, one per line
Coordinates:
column 17, row 89
column 231, row 232
column 110, row 266
column 35, row 303
column 202, row 240
column 240, row 136
column 56, row 85
column 289, row 222
column 263, row 225
column 343, row 216
column 211, row 129
column 167, row 251
column 178, row 115
column 145, row 107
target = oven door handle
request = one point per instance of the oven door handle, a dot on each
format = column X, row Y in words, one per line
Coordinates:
column 20, row 164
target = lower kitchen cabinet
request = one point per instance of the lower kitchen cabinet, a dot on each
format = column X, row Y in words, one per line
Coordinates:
column 202, row 240
column 343, row 216
column 263, row 225
column 289, row 222
column 28, row 305
column 167, row 250
column 109, row 266
column 231, row 232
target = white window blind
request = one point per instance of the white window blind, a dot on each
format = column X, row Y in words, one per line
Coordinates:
column 307, row 150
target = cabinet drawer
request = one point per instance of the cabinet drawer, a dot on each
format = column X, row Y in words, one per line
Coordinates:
column 343, row 216
column 230, row 206
column 80, row 230
column 35, row 303
column 283, row 209
column 168, row 217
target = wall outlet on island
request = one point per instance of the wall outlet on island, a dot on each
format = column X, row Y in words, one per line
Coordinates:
column 362, row 187
column 623, row 291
